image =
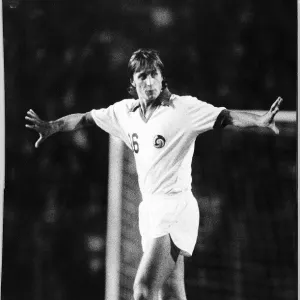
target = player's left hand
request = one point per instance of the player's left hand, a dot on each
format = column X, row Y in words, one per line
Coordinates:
column 267, row 120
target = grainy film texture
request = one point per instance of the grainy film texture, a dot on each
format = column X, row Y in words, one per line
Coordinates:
column 71, row 56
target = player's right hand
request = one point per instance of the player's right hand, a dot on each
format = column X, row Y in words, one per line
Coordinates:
column 43, row 128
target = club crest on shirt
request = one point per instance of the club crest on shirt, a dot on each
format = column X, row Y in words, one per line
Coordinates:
column 159, row 141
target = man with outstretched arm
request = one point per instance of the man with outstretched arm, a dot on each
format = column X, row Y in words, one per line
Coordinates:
column 161, row 129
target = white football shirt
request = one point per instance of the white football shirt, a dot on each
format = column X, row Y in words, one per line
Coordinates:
column 163, row 145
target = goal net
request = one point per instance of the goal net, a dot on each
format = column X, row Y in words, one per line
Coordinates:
column 245, row 185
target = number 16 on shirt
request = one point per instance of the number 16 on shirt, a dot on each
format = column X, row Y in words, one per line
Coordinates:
column 134, row 142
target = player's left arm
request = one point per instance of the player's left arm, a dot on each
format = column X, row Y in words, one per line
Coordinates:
column 246, row 119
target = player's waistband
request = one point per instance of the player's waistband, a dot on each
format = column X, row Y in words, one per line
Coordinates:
column 156, row 196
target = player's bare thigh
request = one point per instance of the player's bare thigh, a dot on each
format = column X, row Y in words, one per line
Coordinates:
column 174, row 288
column 156, row 266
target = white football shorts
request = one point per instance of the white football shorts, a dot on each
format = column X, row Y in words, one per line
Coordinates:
column 177, row 215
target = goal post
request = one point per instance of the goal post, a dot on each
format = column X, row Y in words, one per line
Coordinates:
column 281, row 116
column 123, row 249
column 114, row 215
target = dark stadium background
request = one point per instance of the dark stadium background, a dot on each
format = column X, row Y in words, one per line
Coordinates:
column 65, row 56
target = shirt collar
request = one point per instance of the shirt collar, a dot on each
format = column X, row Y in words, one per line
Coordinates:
column 163, row 99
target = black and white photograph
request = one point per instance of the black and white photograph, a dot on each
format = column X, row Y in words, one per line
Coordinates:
column 149, row 150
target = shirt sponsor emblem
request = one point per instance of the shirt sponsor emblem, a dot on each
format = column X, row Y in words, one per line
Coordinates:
column 159, row 141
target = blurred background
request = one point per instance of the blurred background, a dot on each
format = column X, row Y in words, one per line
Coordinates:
column 64, row 56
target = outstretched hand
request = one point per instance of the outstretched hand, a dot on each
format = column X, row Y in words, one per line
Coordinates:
column 268, row 119
column 43, row 128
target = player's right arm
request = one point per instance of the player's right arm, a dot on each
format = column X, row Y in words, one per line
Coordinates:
column 47, row 128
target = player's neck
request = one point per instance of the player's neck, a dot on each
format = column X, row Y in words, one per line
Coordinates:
column 147, row 106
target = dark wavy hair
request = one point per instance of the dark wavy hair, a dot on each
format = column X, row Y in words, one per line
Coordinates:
column 144, row 59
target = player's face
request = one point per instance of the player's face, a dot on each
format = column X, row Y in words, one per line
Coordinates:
column 148, row 83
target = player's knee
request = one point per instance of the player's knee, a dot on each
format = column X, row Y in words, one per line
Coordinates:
column 142, row 291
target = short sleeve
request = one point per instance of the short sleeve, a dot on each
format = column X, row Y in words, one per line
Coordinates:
column 110, row 119
column 202, row 115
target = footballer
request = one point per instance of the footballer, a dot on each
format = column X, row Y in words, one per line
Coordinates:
column 160, row 128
